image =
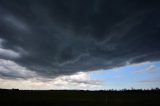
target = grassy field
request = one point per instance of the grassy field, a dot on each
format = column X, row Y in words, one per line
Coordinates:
column 79, row 98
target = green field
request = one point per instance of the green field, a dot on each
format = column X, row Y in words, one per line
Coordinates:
column 79, row 98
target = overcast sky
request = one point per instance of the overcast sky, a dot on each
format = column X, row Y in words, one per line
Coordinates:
column 66, row 44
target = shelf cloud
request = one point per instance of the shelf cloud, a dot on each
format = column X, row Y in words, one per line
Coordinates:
column 52, row 38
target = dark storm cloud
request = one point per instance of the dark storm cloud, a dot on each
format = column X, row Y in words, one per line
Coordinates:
column 57, row 37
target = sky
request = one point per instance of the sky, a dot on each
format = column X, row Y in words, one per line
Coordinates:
column 138, row 76
column 79, row 44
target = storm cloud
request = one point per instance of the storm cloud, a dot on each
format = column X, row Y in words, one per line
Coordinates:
column 63, row 37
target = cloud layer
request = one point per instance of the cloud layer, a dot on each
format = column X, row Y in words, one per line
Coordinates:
column 77, row 81
column 58, row 37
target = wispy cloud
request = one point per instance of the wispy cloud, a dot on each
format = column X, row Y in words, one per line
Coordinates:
column 149, row 69
column 10, row 69
column 7, row 53
column 153, row 80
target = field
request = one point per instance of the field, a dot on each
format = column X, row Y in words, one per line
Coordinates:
column 79, row 98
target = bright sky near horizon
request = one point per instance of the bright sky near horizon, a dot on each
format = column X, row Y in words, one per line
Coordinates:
column 144, row 75
column 139, row 76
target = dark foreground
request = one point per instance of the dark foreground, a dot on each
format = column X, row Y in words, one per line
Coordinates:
column 79, row 98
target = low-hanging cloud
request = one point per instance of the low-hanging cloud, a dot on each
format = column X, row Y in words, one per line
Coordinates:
column 9, row 69
column 80, row 80
column 59, row 37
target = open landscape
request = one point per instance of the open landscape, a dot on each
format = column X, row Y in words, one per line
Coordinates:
column 79, row 52
column 17, row 97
